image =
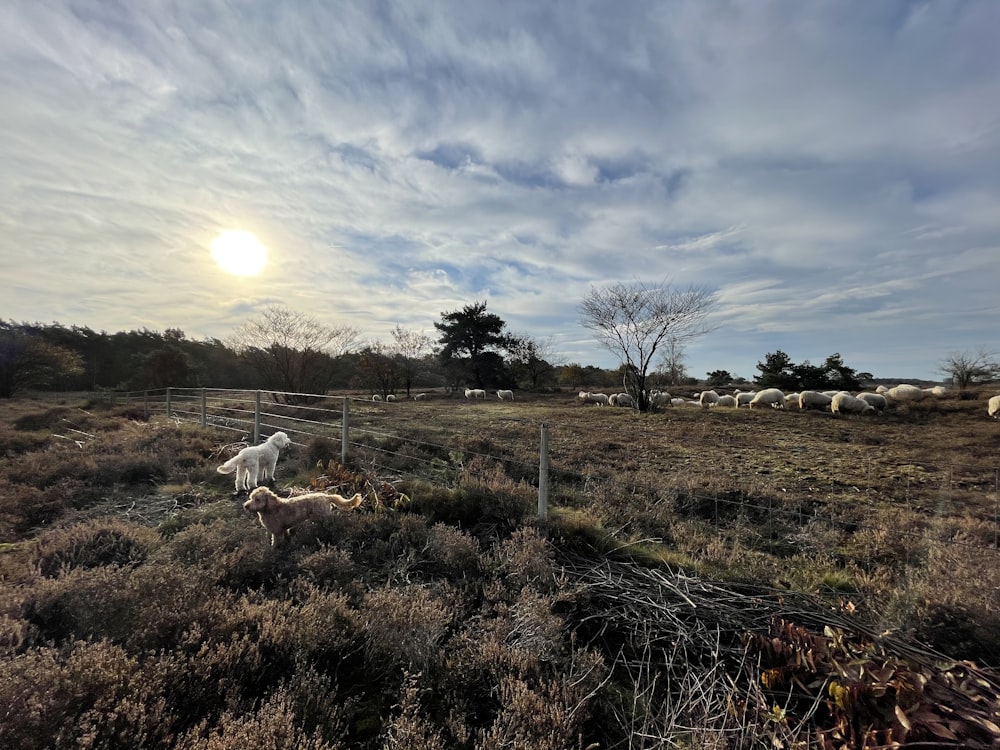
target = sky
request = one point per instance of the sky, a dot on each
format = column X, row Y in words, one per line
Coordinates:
column 831, row 170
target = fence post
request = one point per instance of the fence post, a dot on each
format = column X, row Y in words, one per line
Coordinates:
column 543, row 474
column 168, row 404
column 145, row 405
column 256, row 417
column 204, row 413
column 344, row 429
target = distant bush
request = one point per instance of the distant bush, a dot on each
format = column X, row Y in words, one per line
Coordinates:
column 92, row 544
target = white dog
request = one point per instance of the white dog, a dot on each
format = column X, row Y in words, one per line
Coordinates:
column 255, row 463
column 279, row 515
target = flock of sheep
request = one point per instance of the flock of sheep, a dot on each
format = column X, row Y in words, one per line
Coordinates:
column 836, row 402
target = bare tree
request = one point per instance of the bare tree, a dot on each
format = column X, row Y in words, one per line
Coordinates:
column 634, row 320
column 292, row 351
column 672, row 369
column 533, row 361
column 966, row 368
column 409, row 347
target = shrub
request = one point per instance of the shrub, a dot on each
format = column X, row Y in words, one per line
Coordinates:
column 105, row 541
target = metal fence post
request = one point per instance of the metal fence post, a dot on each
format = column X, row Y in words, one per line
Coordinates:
column 543, row 474
column 168, row 404
column 256, row 418
column 344, row 429
column 204, row 413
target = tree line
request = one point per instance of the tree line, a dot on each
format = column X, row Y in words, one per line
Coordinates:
column 645, row 326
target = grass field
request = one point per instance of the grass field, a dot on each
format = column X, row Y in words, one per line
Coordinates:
column 715, row 578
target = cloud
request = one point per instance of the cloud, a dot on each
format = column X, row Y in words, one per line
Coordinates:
column 829, row 169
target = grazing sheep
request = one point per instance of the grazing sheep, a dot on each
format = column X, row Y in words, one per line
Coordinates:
column 475, row 393
column 660, row 398
column 255, row 463
column 725, row 401
column 791, row 401
column 877, row 400
column 376, row 397
column 938, row 390
column 420, row 397
column 814, row 400
column 620, row 399
column 391, row 397
column 601, row 399
column 279, row 515
column 845, row 403
column 881, row 389
column 993, row 408
column 772, row 397
column 743, row 398
column 678, row 402
column 505, row 395
column 707, row 398
column 905, row 392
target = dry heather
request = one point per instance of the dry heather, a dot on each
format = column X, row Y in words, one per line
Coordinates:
column 706, row 579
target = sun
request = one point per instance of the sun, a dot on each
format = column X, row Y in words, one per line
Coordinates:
column 239, row 253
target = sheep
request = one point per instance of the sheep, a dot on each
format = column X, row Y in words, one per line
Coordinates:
column 938, row 390
column 620, row 399
column 875, row 399
column 845, row 403
column 391, row 397
column 420, row 397
column 725, row 401
column 814, row 400
column 905, row 392
column 791, row 401
column 660, row 398
column 475, row 393
column 743, row 398
column 506, row 395
column 881, row 389
column 600, row 399
column 772, row 397
column 376, row 397
column 678, row 401
column 993, row 408
column 707, row 398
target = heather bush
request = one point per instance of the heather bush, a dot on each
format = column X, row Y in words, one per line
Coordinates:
column 104, row 541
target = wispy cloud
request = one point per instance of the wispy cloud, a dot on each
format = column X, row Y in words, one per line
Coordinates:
column 829, row 169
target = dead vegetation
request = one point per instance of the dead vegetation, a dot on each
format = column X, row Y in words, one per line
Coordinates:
column 706, row 579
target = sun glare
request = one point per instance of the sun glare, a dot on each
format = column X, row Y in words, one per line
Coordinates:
column 239, row 253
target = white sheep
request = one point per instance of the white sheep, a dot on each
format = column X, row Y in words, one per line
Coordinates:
column 791, row 401
column 743, row 398
column 376, row 397
column 707, row 398
column 391, row 397
column 678, row 401
column 725, row 401
column 877, row 400
column 600, row 399
column 475, row 393
column 506, row 395
column 881, row 389
column 772, row 397
column 938, row 390
column 420, row 397
column 845, row 403
column 814, row 400
column 993, row 408
column 905, row 392
column 660, row 398
column 624, row 399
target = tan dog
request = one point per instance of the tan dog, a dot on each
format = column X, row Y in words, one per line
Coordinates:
column 279, row 515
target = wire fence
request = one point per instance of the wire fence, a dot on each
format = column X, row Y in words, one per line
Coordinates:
column 530, row 452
